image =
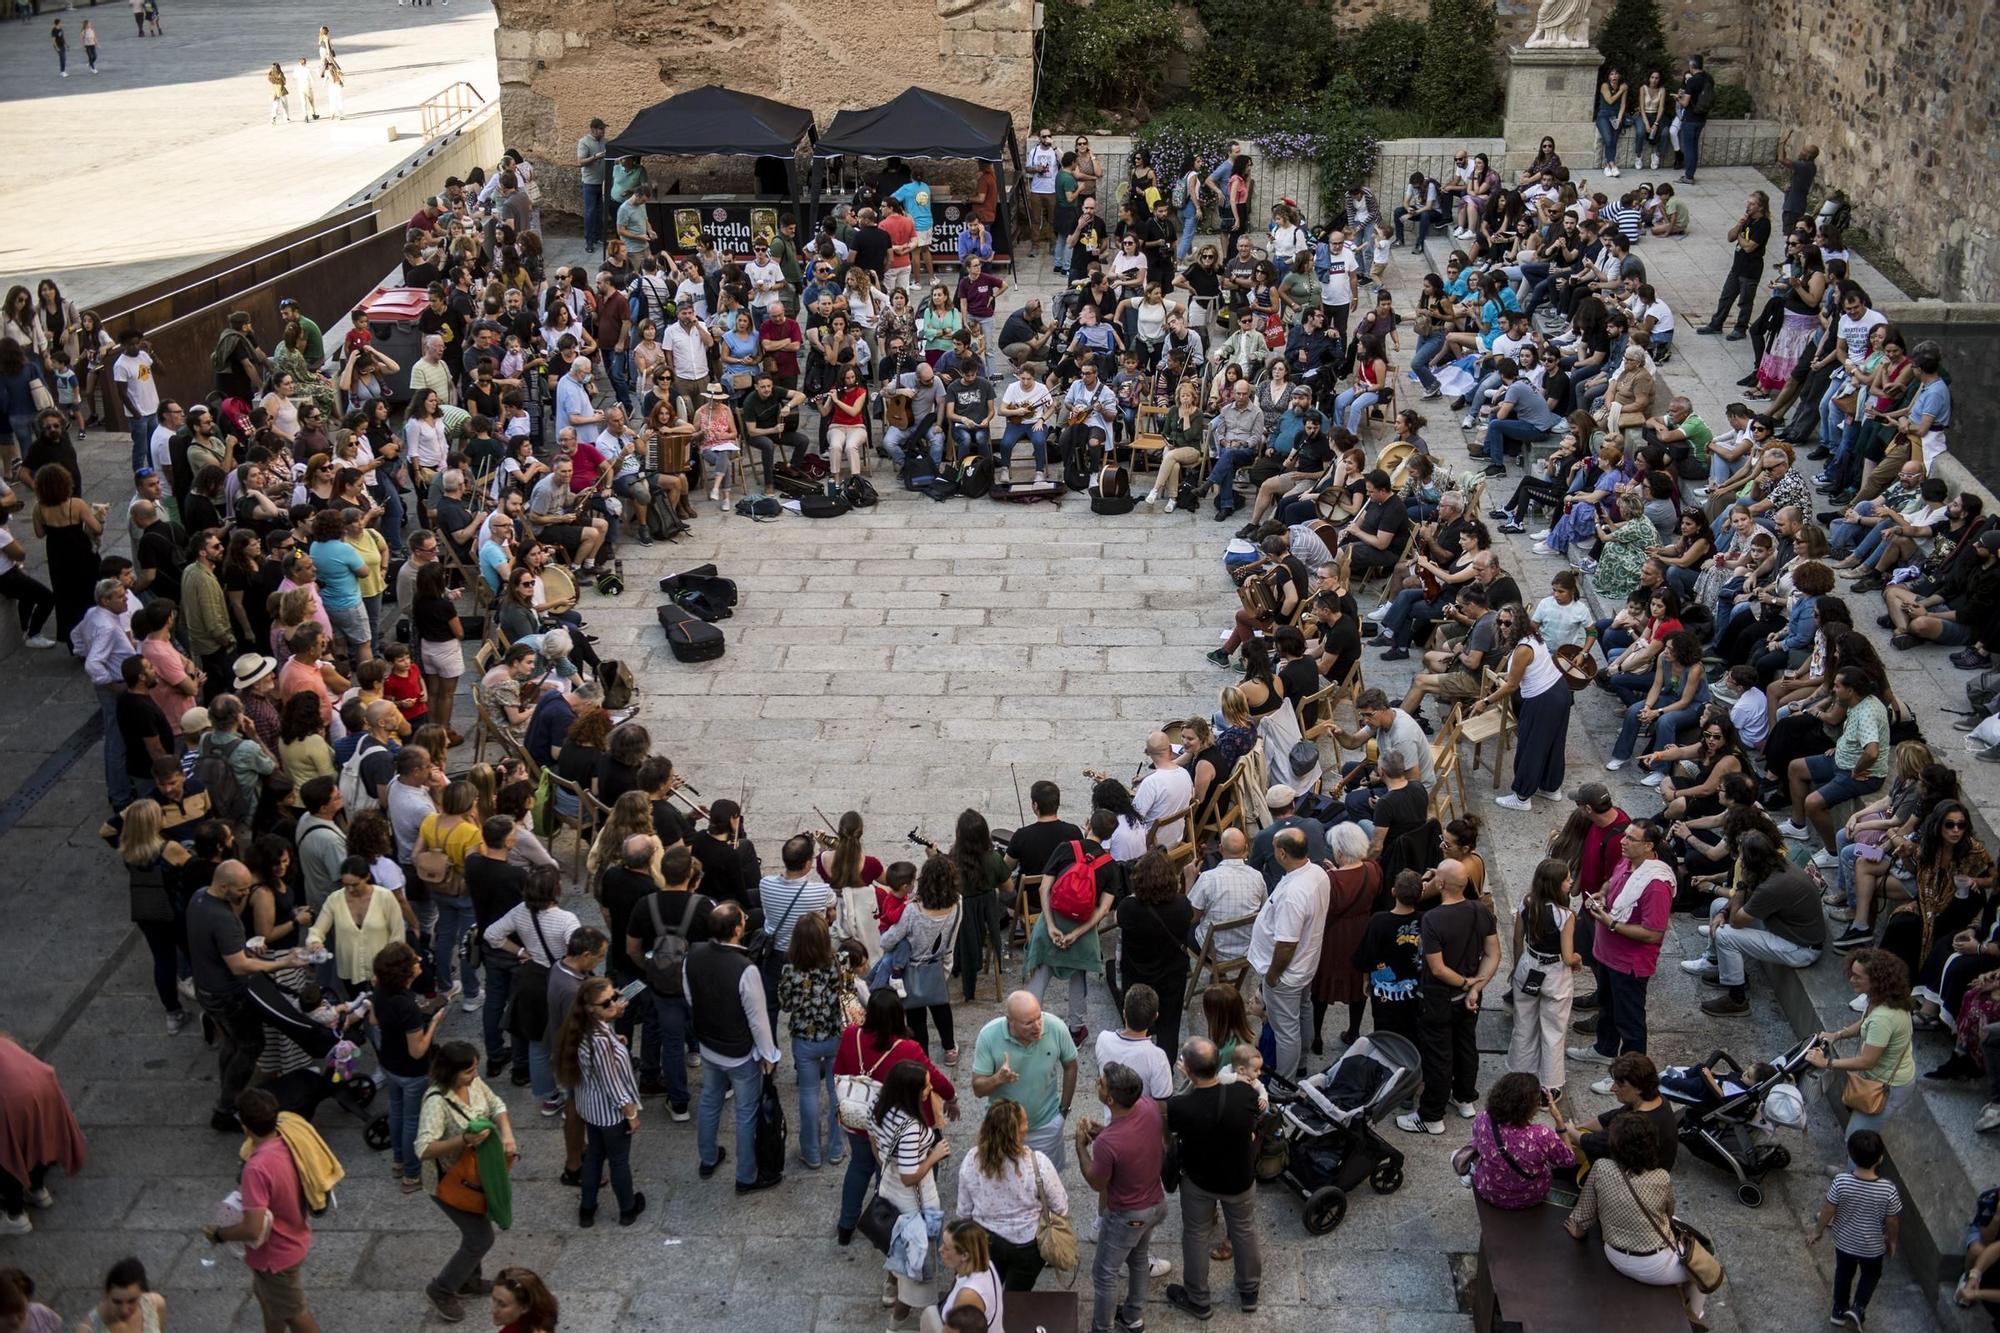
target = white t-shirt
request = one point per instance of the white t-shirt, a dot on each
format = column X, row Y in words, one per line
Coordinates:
column 1751, row 714
column 689, row 352
column 768, row 276
column 1854, row 332
column 1336, row 287
column 1561, row 624
column 136, row 372
column 1663, row 317
column 1162, row 792
column 1036, row 397
column 1140, row 1056
column 6, row 539
column 689, row 292
column 1295, row 911
column 160, row 449
column 1042, row 164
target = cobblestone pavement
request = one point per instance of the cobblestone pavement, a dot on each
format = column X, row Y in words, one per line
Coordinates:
column 906, row 662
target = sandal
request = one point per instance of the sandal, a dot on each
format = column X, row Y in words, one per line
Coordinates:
column 1221, row 1253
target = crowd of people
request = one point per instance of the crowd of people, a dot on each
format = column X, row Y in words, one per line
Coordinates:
column 319, row 867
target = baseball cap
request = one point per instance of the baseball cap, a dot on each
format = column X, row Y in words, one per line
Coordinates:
column 1593, row 796
column 1280, row 796
column 1989, row 540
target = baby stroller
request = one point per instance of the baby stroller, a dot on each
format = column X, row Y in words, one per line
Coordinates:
column 1327, row 1125
column 335, row 1078
column 1732, row 1130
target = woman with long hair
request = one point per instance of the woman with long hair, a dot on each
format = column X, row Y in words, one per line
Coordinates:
column 910, row 1152
column 873, row 1046
column 1003, row 1188
column 1155, row 922
column 1633, row 1213
column 453, row 830
column 1917, row 783
column 522, row 1302
column 816, row 991
column 70, row 527
column 1128, row 841
column 982, row 873
column 1952, row 872
column 1678, row 692
column 1545, row 966
column 1226, row 1019
column 931, row 925
column 158, row 906
column 440, row 639
column 847, row 865
column 597, row 1069
column 459, row 1113
column 407, row 1027
column 631, row 817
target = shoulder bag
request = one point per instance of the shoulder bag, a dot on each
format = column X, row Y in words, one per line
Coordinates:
column 927, row 981
column 1055, row 1238
column 1693, row 1248
column 854, row 1094
column 1467, row 1156
column 458, row 1184
column 1864, row 1094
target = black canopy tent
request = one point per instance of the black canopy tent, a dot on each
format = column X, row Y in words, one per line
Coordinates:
column 922, row 123
column 712, row 120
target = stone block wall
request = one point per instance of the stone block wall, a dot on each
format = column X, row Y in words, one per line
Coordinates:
column 1902, row 100
column 562, row 62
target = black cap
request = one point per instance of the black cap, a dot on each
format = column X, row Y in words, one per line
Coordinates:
column 1593, row 796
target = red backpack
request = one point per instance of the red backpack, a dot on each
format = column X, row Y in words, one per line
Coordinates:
column 1074, row 894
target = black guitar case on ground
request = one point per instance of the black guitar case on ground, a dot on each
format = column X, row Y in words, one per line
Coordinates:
column 692, row 638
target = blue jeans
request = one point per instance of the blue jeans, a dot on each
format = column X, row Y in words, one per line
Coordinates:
column 406, row 1100
column 1190, row 218
column 1502, row 429
column 972, row 440
column 748, row 1080
column 854, row 1185
column 541, row 1070
column 1037, row 436
column 672, row 1016
column 1363, row 241
column 816, row 1085
column 1223, row 475
column 618, row 367
column 593, row 213
column 1122, row 1241
column 603, row 1145
column 1665, row 727
column 1629, row 686
column 1612, row 641
column 1351, row 405
column 391, row 500
column 1621, row 1011
column 117, row 782
column 1425, row 218
column 492, row 1018
column 1608, row 135
column 455, row 920
column 142, row 439
column 1420, row 360
column 1691, row 128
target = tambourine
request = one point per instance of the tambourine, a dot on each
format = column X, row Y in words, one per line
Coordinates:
column 1578, row 667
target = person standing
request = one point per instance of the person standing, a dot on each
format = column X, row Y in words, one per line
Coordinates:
column 597, row 1069
column 1629, row 920
column 1285, row 944
column 1545, row 963
column 1216, row 1124
column 1751, row 237
column 90, row 46
column 274, row 1209
column 221, row 973
column 732, row 1030
column 1042, row 164
column 1804, row 169
column 61, row 43
column 462, row 1115
column 1461, row 948
column 1020, row 1057
column 1121, row 1160
column 590, row 156
column 1696, row 96
column 1004, row 1187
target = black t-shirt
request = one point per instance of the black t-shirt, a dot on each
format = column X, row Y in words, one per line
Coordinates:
column 160, row 551
column 432, row 617
column 1203, row 280
column 139, row 718
column 213, row 933
column 1245, row 269
column 727, row 872
column 422, row 274
column 615, row 779
column 1402, row 811
column 1751, row 261
column 870, row 248
column 483, row 401
column 1391, row 517
column 201, row 512
column 398, row 1015
column 971, row 400
column 669, row 826
column 762, row 412
column 1390, row 956
column 1503, row 591
column 621, row 891
column 483, row 455
column 1032, row 845
column 1110, row 875
column 1342, row 641
column 453, row 517
column 1300, row 679
column 494, row 887
column 673, row 906
column 1155, row 943
column 1661, row 1120
column 1218, row 1133
column 579, row 764
column 1457, row 931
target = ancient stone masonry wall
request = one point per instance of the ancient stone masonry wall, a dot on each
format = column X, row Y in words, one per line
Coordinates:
column 564, row 61
column 1903, row 100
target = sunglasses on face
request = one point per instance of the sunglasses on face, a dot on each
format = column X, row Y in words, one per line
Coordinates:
column 1955, row 823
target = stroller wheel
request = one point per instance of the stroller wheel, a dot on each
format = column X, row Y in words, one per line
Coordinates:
column 1750, row 1196
column 361, row 1090
column 1387, row 1177
column 376, row 1135
column 1325, row 1209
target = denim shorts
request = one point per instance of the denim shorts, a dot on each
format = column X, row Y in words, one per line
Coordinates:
column 1953, row 634
column 350, row 623
column 1837, row 784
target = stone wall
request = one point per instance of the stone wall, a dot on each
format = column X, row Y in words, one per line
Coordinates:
column 1714, row 27
column 1902, row 100
column 565, row 61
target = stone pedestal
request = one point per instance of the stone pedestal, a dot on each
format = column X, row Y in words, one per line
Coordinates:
column 1551, row 91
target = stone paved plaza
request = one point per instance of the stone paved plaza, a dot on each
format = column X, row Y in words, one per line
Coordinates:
column 906, row 662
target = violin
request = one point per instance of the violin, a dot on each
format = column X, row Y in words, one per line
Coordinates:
column 917, row 839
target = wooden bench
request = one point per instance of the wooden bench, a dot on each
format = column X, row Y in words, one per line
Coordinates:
column 1534, row 1277
column 1042, row 1311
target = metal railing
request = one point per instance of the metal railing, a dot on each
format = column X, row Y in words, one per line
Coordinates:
column 450, row 107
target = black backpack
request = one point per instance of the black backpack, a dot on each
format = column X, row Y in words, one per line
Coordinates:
column 1189, row 496
column 702, row 578
column 944, row 485
column 823, row 506
column 212, row 768
column 918, row 471
column 670, row 948
column 764, row 508
column 861, row 493
column 977, row 479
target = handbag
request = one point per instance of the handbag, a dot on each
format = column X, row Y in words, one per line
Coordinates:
column 458, row 1184
column 854, row 1094
column 1055, row 1238
column 1695, row 1250
column 38, row 390
column 927, row 981
column 878, row 1222
column 1864, row 1094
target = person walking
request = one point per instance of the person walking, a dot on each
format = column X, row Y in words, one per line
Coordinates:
column 1004, row 1187
column 1461, row 947
column 462, row 1115
column 90, row 45
column 274, row 1229
column 280, row 101
column 1543, row 979
column 732, row 1031
column 1216, row 1124
column 1285, row 944
column 1863, row 1210
column 597, row 1069
column 407, row 1028
column 61, row 43
column 1121, row 1160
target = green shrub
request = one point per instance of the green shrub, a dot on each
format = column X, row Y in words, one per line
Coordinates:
column 1105, row 55
column 1732, row 102
column 1383, row 55
column 1456, row 80
column 1262, row 53
column 1633, row 42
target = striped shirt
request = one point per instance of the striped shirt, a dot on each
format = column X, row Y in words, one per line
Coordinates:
column 605, row 1086
column 1861, row 1210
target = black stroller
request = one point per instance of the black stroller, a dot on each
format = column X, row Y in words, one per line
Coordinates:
column 1732, row 1130
column 1326, row 1125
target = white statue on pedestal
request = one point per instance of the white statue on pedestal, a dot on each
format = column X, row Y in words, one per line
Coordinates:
column 1561, row 23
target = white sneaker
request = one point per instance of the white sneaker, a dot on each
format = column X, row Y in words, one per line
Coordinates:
column 186, row 988
column 1989, row 1119
column 41, row 641
column 1159, row 1267
column 1586, row 566
column 1541, row 536
column 1826, row 860
column 1416, row 1124
column 1040, row 478
column 1550, row 795
column 1703, row 930
column 473, row 1005
column 1471, row 420
column 1380, row 611
column 1694, row 967
column 17, row 1224
column 1543, row 548
column 41, row 1198
column 1613, row 765
column 1170, row 505
column 1588, row 1055
column 1794, row 830
column 1467, row 1110
column 679, row 1117
column 1602, row 1087
column 1153, row 496
column 176, row 1021
column 1614, row 169
column 1652, row 779
column 1507, row 800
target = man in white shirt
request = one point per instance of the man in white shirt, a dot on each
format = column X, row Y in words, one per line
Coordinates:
column 1041, row 168
column 1133, row 1045
column 103, row 640
column 687, row 341
column 1232, row 888
column 1337, row 287
column 574, row 409
column 1167, row 790
column 1285, row 944
column 139, row 393
column 160, row 446
column 767, row 276
column 1655, row 323
column 1024, row 406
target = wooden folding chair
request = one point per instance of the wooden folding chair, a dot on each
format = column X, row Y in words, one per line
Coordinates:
column 1027, row 903
column 1182, row 853
column 1495, row 725
column 483, row 726
column 1146, row 436
column 579, row 822
column 1232, row 970
column 1447, row 785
